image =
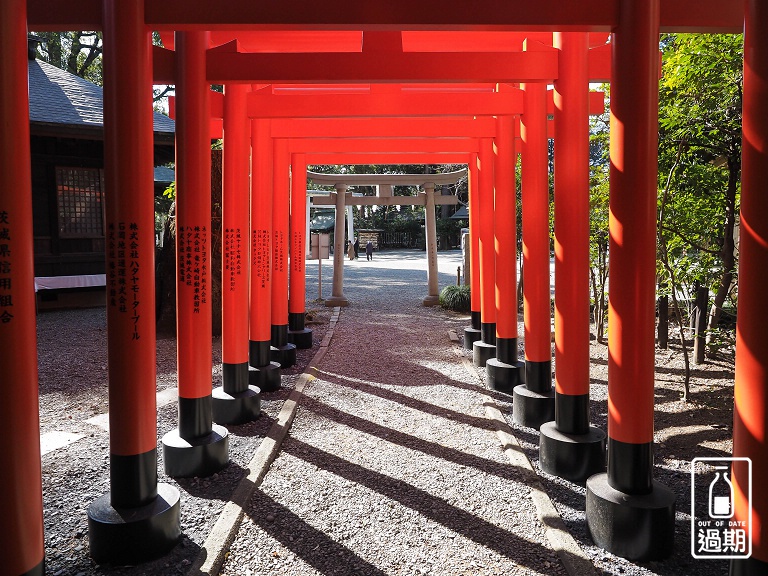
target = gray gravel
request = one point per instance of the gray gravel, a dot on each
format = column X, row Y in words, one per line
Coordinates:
column 391, row 466
column 684, row 431
column 73, row 388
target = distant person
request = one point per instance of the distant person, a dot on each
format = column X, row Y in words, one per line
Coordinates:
column 357, row 247
column 369, row 250
column 351, row 250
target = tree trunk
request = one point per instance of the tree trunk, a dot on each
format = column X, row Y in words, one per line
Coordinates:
column 53, row 47
column 727, row 253
column 603, row 281
column 598, row 276
column 664, row 256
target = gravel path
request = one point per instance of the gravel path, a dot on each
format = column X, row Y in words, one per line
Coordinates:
column 392, row 465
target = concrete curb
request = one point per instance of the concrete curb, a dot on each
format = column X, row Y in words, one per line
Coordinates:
column 576, row 562
column 215, row 549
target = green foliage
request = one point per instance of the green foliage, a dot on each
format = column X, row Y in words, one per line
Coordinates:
column 170, row 192
column 79, row 53
column 701, row 90
column 451, row 229
column 599, row 168
column 700, row 96
column 456, row 298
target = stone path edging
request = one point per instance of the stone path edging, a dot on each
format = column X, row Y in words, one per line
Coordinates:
column 568, row 550
column 215, row 548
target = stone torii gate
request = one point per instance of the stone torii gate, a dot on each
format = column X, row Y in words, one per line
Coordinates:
column 341, row 198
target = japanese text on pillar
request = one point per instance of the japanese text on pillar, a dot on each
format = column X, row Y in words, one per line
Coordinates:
column 123, row 271
column 6, row 298
column 232, row 256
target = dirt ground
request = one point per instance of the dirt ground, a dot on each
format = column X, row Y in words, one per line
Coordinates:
column 73, row 386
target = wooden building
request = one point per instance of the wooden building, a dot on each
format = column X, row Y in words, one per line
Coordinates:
column 67, row 144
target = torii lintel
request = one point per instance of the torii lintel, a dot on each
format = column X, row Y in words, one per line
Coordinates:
column 487, row 15
column 388, row 179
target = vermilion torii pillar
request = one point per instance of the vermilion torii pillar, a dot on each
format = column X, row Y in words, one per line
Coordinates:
column 628, row 513
column 139, row 518
column 472, row 333
column 282, row 351
column 298, row 334
column 505, row 372
column 197, row 447
column 569, row 447
column 21, row 499
column 485, row 348
column 235, row 401
column 260, row 337
column 534, row 402
column 750, row 427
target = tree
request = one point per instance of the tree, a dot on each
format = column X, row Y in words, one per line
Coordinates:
column 76, row 52
column 700, row 159
column 599, row 170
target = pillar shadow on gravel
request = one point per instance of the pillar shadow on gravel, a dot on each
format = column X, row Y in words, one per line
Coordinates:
column 466, row 419
column 436, row 509
column 502, row 470
column 313, row 546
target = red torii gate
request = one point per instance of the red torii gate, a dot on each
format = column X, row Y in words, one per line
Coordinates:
column 635, row 29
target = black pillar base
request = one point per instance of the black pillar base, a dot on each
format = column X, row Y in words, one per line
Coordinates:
column 258, row 353
column 748, row 567
column 574, row 457
column 482, row 352
column 265, row 378
column 488, row 332
column 133, row 479
column 38, row 570
column 133, row 535
column 302, row 339
column 635, row 527
column 503, row 377
column 285, row 355
column 236, row 407
column 538, row 376
column 532, row 409
column 200, row 457
column 234, row 377
column 471, row 335
column 296, row 321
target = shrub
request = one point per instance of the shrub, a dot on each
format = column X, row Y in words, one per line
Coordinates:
column 455, row 298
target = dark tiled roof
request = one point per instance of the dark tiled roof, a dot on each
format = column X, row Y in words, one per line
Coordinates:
column 58, row 97
column 323, row 220
column 163, row 174
column 460, row 214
